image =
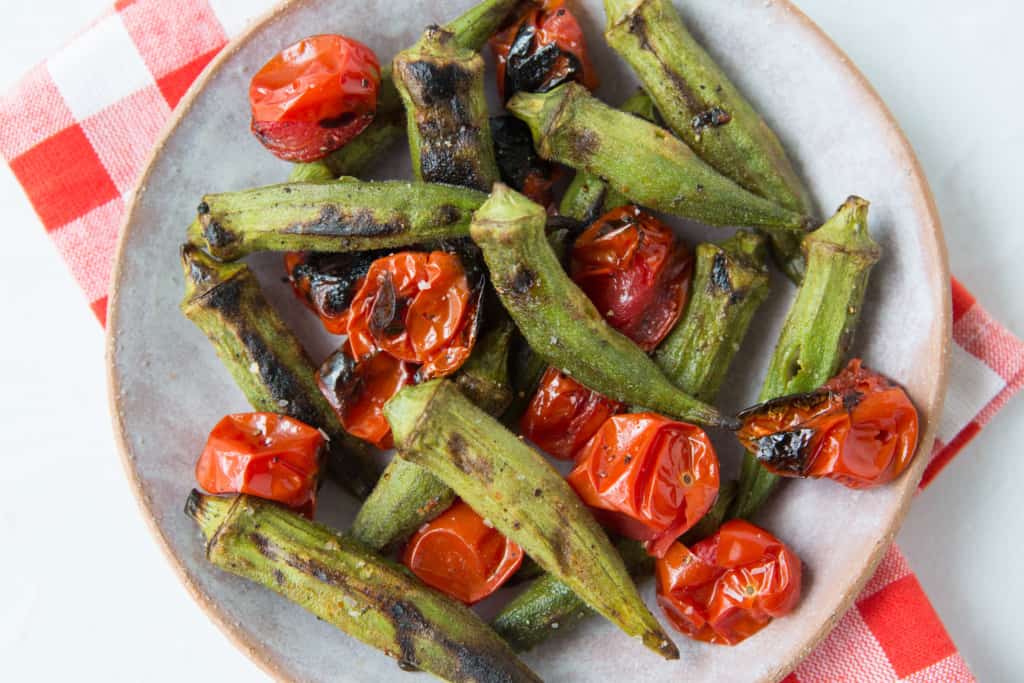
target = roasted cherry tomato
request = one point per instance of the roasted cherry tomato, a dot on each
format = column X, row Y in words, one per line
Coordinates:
column 648, row 477
column 263, row 454
column 564, row 414
column 729, row 586
column 413, row 317
column 859, row 429
column 544, row 49
column 314, row 96
column 326, row 283
column 358, row 391
column 461, row 555
column 635, row 271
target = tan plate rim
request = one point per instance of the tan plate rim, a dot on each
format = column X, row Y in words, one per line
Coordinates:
column 909, row 482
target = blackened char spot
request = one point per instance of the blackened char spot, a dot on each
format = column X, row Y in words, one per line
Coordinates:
column 216, row 236
column 288, row 387
column 338, row 121
column 383, row 312
column 720, row 277
column 523, row 280
column 785, row 451
column 447, row 214
column 226, row 299
column 333, row 222
column 434, row 84
column 203, row 208
column 713, row 117
column 263, row 545
column 279, row 577
column 585, row 145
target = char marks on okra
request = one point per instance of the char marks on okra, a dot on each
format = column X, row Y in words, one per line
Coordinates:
column 818, row 331
column 349, row 215
column 470, row 31
column 267, row 361
column 442, row 86
column 588, row 197
column 558, row 320
column 353, row 589
column 730, row 282
column 706, row 110
column 516, row 489
column 642, row 161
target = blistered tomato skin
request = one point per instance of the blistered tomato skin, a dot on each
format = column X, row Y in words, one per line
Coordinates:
column 564, row 414
column 314, row 96
column 860, row 429
column 459, row 554
column 545, row 49
column 413, row 316
column 635, row 271
column 729, row 586
column 326, row 283
column 648, row 477
column 263, row 454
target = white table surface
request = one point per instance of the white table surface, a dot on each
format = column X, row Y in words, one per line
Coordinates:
column 86, row 594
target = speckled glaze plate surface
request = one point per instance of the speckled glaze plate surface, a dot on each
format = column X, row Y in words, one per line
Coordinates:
column 167, row 387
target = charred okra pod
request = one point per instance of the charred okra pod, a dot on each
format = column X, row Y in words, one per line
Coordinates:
column 407, row 496
column 442, row 86
column 267, row 361
column 642, row 161
column 704, row 108
column 818, row 331
column 588, row 197
column 560, row 322
column 349, row 215
column 550, row 606
column 514, row 487
column 341, row 582
column 730, row 282
column 471, row 31
column 716, row 325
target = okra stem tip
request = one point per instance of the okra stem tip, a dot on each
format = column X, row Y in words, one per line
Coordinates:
column 208, row 512
column 848, row 229
column 505, row 206
column 616, row 10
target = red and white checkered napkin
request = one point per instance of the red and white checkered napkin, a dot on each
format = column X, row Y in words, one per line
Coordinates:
column 77, row 129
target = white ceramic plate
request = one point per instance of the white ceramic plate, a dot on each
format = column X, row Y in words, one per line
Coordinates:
column 168, row 388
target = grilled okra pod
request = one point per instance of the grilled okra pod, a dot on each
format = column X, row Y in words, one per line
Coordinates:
column 267, row 361
column 471, row 31
column 352, row 588
column 513, row 486
column 644, row 162
column 716, row 325
column 818, row 331
column 349, row 215
column 442, row 86
column 730, row 282
column 560, row 322
column 703, row 107
column 588, row 197
column 407, row 496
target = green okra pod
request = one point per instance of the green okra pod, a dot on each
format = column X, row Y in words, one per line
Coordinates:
column 730, row 282
column 642, row 161
column 523, row 496
column 407, row 496
column 471, row 31
column 442, row 86
column 560, row 322
column 266, row 360
column 714, row 324
column 349, row 215
column 352, row 588
column 818, row 331
column 588, row 197
column 703, row 107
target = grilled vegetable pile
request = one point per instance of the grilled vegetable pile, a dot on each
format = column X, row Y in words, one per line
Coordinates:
column 488, row 325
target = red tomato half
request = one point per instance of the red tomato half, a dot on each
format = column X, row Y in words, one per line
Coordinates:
column 263, row 454
column 730, row 585
column 459, row 554
column 564, row 414
column 860, row 430
column 635, row 271
column 648, row 477
column 314, row 96
column 545, row 49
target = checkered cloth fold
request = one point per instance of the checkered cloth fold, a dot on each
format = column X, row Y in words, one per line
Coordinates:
column 76, row 131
